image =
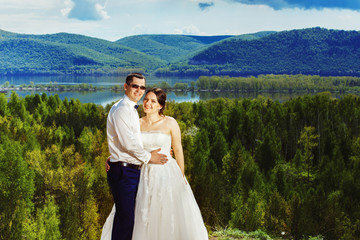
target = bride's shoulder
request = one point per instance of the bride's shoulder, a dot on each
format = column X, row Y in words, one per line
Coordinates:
column 171, row 122
column 169, row 119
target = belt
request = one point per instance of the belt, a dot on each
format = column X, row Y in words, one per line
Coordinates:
column 125, row 164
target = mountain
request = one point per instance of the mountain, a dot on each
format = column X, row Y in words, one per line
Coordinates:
column 67, row 53
column 307, row 51
column 72, row 53
column 172, row 48
column 168, row 47
column 252, row 36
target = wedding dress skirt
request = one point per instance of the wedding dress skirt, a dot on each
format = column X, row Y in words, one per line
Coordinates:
column 165, row 205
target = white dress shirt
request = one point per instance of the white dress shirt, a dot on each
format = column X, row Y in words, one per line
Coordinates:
column 123, row 134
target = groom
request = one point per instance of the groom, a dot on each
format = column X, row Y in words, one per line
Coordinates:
column 127, row 155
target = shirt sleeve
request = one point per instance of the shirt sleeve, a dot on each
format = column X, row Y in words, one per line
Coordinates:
column 123, row 124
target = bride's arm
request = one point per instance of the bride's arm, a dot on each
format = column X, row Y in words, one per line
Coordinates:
column 176, row 143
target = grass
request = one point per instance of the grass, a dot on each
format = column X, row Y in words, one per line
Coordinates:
column 230, row 234
column 235, row 234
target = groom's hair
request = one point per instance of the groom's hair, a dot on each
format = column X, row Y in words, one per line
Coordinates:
column 129, row 78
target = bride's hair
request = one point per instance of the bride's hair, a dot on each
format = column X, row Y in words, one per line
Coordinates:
column 160, row 96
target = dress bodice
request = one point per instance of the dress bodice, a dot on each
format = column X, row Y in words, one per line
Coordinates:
column 156, row 139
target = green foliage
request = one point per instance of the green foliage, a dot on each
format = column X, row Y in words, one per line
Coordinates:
column 307, row 51
column 46, row 184
column 279, row 83
column 181, row 86
column 168, row 47
column 16, row 189
column 308, row 141
column 237, row 234
column 314, row 51
column 47, row 221
column 68, row 53
column 289, row 169
column 3, row 105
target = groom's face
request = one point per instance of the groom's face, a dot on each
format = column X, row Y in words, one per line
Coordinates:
column 136, row 89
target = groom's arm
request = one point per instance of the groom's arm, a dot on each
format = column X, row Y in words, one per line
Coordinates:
column 123, row 124
column 160, row 159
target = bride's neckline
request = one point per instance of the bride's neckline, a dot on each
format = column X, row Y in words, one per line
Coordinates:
column 155, row 131
column 147, row 119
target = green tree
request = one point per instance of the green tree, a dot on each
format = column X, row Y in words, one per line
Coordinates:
column 17, row 107
column 3, row 105
column 90, row 220
column 277, row 213
column 308, row 141
column 16, row 189
column 6, row 84
column 48, row 221
column 268, row 150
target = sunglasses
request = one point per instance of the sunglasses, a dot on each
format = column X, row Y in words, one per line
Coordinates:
column 137, row 86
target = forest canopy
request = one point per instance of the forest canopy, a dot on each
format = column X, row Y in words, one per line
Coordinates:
column 289, row 167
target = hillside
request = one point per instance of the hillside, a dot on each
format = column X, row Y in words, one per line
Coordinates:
column 252, row 36
column 307, row 51
column 172, row 48
column 67, row 53
column 169, row 47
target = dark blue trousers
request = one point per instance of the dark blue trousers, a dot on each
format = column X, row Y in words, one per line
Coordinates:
column 124, row 183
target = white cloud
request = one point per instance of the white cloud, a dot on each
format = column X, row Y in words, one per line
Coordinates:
column 140, row 29
column 85, row 9
column 305, row 4
column 69, row 5
column 29, row 4
column 101, row 10
column 189, row 30
column 114, row 19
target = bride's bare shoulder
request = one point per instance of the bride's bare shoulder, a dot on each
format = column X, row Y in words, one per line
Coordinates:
column 171, row 122
column 169, row 119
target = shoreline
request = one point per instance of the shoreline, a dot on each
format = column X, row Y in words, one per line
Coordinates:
column 94, row 89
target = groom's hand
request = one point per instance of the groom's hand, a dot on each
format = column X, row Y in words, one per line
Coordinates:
column 107, row 166
column 171, row 152
column 158, row 158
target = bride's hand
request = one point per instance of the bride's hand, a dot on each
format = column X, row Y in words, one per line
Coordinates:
column 186, row 182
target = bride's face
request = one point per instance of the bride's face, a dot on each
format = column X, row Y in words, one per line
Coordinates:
column 151, row 104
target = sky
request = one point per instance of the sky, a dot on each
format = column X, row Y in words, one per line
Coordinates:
column 115, row 19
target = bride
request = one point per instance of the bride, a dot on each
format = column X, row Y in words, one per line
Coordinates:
column 165, row 205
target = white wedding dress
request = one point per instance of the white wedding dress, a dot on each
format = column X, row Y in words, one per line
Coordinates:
column 165, row 205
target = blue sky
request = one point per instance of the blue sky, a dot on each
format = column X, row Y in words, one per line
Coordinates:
column 115, row 19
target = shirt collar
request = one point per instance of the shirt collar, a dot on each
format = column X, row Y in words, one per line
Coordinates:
column 129, row 102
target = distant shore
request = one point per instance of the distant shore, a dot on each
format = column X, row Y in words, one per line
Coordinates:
column 116, row 89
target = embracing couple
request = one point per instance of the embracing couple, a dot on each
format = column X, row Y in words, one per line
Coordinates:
column 153, row 200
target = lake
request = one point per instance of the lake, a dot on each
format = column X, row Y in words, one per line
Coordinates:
column 104, row 97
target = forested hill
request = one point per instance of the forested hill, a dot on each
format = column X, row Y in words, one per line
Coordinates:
column 168, row 47
column 171, row 47
column 307, row 51
column 66, row 53
column 71, row 53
